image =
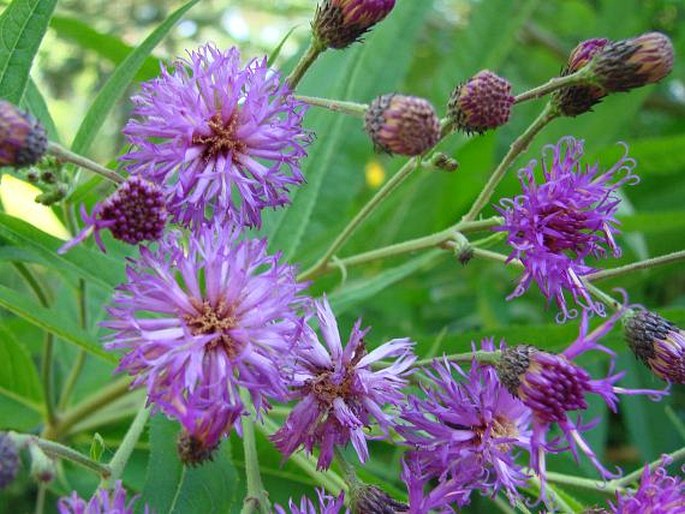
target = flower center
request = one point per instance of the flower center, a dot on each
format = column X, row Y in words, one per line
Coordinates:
column 222, row 140
column 329, row 385
column 566, row 230
column 218, row 320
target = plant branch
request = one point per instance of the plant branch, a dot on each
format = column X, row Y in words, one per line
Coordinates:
column 635, row 475
column 584, row 483
column 482, row 356
column 635, row 266
column 579, row 77
column 350, row 108
column 256, row 499
column 68, row 156
column 517, row 147
column 123, row 453
column 315, row 49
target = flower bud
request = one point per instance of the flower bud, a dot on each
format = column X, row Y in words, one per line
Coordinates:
column 43, row 468
column 369, row 499
column 635, row 62
column 23, row 140
column 483, row 102
column 658, row 343
column 404, row 125
column 339, row 23
column 9, row 460
column 193, row 451
column 575, row 100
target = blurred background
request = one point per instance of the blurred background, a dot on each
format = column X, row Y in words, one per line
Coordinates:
column 424, row 48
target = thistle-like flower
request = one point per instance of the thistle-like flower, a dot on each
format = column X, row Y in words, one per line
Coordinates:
column 481, row 103
column 103, row 502
column 136, row 212
column 658, row 343
column 405, row 125
column 326, row 505
column 575, row 100
column 224, row 142
column 339, row 393
column 339, row 23
column 658, row 493
column 469, row 429
column 555, row 225
column 200, row 320
column 552, row 385
column 23, row 140
column 635, row 62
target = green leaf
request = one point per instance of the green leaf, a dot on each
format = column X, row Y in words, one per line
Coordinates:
column 43, row 318
column 653, row 222
column 119, row 81
column 35, row 103
column 276, row 51
column 173, row 488
column 18, row 375
column 108, row 46
column 93, row 266
column 22, row 25
column 655, row 156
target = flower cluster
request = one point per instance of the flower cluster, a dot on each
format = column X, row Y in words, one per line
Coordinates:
column 556, row 225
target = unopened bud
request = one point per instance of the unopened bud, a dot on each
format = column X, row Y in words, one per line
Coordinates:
column 42, row 467
column 658, row 343
column 9, row 460
column 635, row 62
column 339, row 23
column 23, row 140
column 444, row 162
column 483, row 102
column 369, row 499
column 193, row 451
column 404, row 125
column 575, row 100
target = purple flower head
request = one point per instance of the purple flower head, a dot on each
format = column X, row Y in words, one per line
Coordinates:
column 136, row 212
column 575, row 100
column 554, row 226
column 103, row 502
column 201, row 319
column 326, row 505
column 223, row 141
column 23, row 140
column 481, row 103
column 552, row 386
column 339, row 393
column 468, row 430
column 658, row 493
column 441, row 498
column 339, row 23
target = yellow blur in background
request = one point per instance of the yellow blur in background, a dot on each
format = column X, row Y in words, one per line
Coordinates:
column 375, row 174
column 18, row 200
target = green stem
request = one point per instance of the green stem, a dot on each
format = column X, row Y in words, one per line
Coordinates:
column 350, row 473
column 67, row 155
column 364, row 213
column 635, row 475
column 583, row 483
column 517, row 147
column 482, row 356
column 123, row 453
column 351, row 108
column 494, row 256
column 636, row 266
column 579, row 77
column 57, row 450
column 602, row 296
column 90, row 405
column 76, row 369
column 256, row 499
column 40, row 499
column 558, row 501
column 315, row 49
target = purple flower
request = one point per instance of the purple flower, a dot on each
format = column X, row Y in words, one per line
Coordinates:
column 466, row 431
column 552, row 385
column 102, row 502
column 339, row 393
column 658, row 493
column 224, row 141
column 554, row 226
column 136, row 212
column 440, row 498
column 201, row 319
column 326, row 505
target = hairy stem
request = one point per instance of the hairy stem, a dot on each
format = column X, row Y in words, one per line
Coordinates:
column 517, row 147
column 123, row 453
column 584, row 483
column 482, row 356
column 256, row 499
column 579, row 77
column 68, row 156
column 315, row 49
column 636, row 266
column 351, row 108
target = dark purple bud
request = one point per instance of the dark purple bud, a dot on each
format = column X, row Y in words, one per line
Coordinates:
column 658, row 343
column 9, row 460
column 369, row 499
column 576, row 100
column 405, row 125
column 635, row 62
column 339, row 23
column 481, row 103
column 23, row 140
column 193, row 451
column 550, row 385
